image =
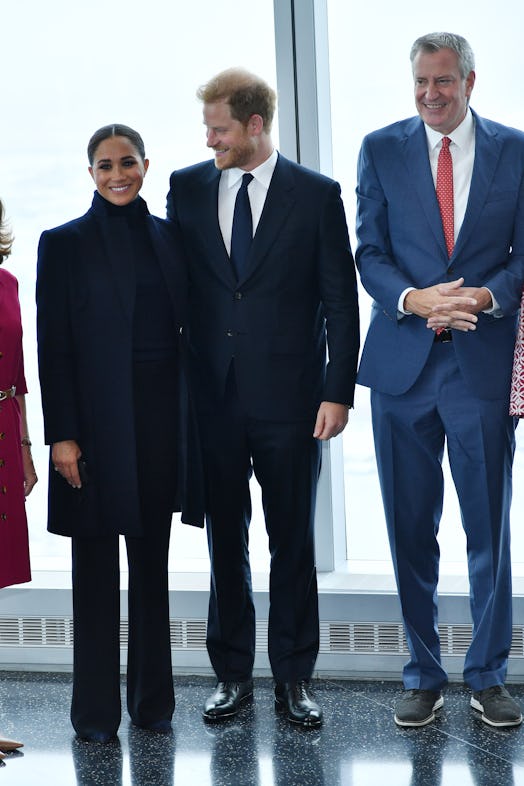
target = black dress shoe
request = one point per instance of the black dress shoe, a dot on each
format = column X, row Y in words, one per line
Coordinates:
column 295, row 699
column 225, row 700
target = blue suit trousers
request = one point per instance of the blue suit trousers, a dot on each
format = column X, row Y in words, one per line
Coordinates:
column 411, row 431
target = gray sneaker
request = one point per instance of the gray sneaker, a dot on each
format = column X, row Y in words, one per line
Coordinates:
column 417, row 707
column 498, row 708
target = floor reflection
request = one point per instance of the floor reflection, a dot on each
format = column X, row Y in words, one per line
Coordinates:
column 359, row 745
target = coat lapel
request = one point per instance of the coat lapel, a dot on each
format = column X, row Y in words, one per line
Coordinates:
column 166, row 251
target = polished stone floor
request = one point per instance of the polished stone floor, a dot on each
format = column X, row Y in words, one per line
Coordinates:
column 358, row 745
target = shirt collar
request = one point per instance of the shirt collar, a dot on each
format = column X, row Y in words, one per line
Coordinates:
column 263, row 172
column 462, row 136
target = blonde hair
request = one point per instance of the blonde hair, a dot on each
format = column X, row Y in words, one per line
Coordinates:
column 6, row 238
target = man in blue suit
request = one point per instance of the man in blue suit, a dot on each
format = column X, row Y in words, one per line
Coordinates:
column 449, row 382
column 258, row 328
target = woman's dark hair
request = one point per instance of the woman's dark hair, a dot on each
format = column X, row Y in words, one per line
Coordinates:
column 116, row 129
column 6, row 238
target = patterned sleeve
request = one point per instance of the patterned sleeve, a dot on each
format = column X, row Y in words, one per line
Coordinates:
column 516, row 399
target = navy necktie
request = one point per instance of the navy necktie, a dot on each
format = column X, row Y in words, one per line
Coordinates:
column 242, row 232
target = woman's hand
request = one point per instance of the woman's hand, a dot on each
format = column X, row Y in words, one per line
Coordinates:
column 65, row 457
column 30, row 478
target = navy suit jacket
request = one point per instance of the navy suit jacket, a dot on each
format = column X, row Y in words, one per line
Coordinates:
column 401, row 244
column 299, row 288
column 85, row 300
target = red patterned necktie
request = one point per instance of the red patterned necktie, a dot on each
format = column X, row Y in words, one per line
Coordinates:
column 445, row 193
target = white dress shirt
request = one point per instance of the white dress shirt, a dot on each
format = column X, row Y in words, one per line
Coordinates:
column 230, row 181
column 462, row 149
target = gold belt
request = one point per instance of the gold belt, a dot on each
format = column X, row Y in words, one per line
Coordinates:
column 7, row 393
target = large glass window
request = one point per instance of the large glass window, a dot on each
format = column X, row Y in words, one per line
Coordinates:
column 371, row 86
column 69, row 68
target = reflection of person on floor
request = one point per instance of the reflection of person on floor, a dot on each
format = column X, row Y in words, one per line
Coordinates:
column 17, row 473
column 91, row 767
column 297, row 759
column 235, row 755
column 490, row 768
column 152, row 758
column 427, row 759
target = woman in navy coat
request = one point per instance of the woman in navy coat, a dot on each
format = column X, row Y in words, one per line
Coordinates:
column 111, row 302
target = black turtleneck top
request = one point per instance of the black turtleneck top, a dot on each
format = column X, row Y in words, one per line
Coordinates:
column 154, row 333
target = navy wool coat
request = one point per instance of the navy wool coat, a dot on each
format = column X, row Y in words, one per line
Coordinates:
column 85, row 299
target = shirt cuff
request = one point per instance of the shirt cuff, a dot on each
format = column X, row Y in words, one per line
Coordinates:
column 495, row 310
column 401, row 311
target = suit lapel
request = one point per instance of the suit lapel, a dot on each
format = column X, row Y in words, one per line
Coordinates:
column 415, row 147
column 206, row 197
column 487, row 152
column 279, row 201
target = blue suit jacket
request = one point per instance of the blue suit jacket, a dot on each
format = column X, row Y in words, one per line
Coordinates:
column 298, row 290
column 401, row 244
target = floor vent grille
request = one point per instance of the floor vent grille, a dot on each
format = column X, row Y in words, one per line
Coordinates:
column 373, row 638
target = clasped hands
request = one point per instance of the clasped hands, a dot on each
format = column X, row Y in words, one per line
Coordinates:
column 449, row 305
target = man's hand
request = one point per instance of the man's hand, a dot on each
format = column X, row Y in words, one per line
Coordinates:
column 331, row 420
column 458, row 315
column 423, row 302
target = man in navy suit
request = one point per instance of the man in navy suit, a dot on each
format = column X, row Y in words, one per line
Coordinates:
column 258, row 328
column 449, row 383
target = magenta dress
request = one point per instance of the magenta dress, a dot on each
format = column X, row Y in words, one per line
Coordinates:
column 14, row 547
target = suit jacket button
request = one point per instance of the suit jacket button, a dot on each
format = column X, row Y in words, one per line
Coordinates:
column 229, row 333
column 451, row 272
column 238, row 296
